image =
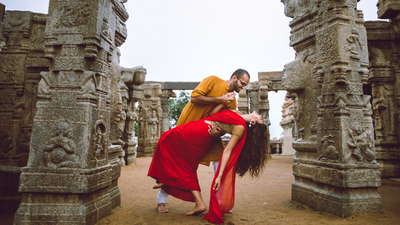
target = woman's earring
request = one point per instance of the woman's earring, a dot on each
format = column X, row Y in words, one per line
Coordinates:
column 251, row 121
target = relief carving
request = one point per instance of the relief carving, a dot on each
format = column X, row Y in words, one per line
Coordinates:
column 73, row 16
column 379, row 105
column 361, row 142
column 327, row 43
column 5, row 143
column 8, row 73
column 355, row 47
column 99, row 140
column 154, row 124
column 329, row 152
column 59, row 151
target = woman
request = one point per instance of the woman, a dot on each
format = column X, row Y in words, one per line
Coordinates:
column 180, row 150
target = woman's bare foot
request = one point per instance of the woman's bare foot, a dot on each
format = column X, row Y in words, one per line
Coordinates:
column 196, row 210
column 159, row 185
column 162, row 208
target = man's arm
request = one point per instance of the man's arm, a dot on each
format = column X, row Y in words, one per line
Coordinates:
column 206, row 100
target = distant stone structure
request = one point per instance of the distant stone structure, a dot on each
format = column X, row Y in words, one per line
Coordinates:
column 21, row 61
column 384, row 85
column 288, row 125
column 335, row 151
column 150, row 119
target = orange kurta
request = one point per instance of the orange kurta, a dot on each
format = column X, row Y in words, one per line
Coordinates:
column 212, row 86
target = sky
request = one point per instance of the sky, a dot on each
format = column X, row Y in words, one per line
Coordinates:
column 188, row 40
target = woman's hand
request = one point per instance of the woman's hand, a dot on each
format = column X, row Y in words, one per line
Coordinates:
column 217, row 184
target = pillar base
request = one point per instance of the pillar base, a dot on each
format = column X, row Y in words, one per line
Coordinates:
column 342, row 202
column 45, row 208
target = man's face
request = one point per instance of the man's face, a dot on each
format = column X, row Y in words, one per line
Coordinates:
column 241, row 83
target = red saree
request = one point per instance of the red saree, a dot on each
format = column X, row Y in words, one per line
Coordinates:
column 178, row 154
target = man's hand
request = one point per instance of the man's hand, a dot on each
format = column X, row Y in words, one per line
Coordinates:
column 226, row 99
column 214, row 130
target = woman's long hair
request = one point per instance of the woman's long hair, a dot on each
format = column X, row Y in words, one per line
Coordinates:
column 255, row 152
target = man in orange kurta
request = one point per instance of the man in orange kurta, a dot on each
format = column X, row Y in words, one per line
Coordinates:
column 208, row 94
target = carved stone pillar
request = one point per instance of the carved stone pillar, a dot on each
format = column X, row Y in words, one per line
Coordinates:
column 150, row 114
column 243, row 102
column 335, row 168
column 166, row 94
column 253, row 95
column 21, row 60
column 69, row 151
column 287, row 123
column 132, row 79
column 383, row 48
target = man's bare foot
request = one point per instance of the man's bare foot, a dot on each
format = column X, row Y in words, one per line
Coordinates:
column 162, row 208
column 196, row 210
column 159, row 185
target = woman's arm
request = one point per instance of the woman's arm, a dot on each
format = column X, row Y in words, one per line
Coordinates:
column 217, row 108
column 224, row 160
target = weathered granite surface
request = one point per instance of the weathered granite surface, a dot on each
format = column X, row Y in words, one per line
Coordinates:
column 384, row 85
column 150, row 119
column 335, row 167
column 21, row 60
column 72, row 172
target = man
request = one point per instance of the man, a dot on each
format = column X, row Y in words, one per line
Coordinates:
column 208, row 94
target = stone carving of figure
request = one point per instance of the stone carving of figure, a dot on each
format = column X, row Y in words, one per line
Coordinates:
column 355, row 45
column 154, row 124
column 131, row 117
column 329, row 152
column 142, row 122
column 360, row 141
column 99, row 142
column 5, row 143
column 379, row 106
column 59, row 151
column 119, row 126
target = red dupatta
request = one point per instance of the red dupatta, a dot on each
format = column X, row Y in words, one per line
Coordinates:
column 222, row 201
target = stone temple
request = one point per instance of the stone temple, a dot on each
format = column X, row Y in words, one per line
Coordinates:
column 68, row 110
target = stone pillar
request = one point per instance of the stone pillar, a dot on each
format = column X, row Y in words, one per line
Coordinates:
column 150, row 115
column 132, row 79
column 287, row 123
column 383, row 47
column 335, row 168
column 69, row 153
column 243, row 102
column 166, row 94
column 253, row 95
column 21, row 60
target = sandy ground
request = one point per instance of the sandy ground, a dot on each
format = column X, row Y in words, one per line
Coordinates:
column 258, row 201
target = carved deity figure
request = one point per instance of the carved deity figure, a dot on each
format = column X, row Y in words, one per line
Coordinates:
column 143, row 117
column 379, row 106
column 131, row 117
column 355, row 45
column 153, row 122
column 361, row 143
column 5, row 143
column 329, row 152
column 59, row 151
column 99, row 142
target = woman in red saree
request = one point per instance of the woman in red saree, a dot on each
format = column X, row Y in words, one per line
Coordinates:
column 180, row 149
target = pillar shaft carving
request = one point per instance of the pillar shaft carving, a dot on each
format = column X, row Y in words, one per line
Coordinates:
column 150, row 115
column 166, row 94
column 70, row 151
column 21, row 59
column 383, row 48
column 335, row 144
